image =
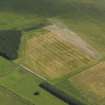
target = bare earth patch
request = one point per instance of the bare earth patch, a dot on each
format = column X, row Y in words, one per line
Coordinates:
column 66, row 35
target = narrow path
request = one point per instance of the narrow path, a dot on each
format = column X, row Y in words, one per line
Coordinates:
column 36, row 74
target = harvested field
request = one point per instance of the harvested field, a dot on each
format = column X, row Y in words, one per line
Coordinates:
column 48, row 55
column 92, row 84
column 20, row 87
column 9, row 43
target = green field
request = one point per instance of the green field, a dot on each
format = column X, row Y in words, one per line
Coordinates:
column 24, row 85
column 62, row 41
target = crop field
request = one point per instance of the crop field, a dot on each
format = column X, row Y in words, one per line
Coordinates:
column 91, row 83
column 62, row 42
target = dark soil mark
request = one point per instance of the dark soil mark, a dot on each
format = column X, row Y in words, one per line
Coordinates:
column 37, row 93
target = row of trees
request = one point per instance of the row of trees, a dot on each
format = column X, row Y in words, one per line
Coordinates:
column 60, row 94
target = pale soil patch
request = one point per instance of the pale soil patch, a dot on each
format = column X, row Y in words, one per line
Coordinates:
column 48, row 56
column 92, row 83
column 66, row 35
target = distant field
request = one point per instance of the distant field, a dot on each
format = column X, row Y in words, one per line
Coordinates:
column 12, row 20
column 91, row 84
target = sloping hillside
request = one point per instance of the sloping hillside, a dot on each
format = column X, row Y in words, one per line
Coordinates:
column 62, row 41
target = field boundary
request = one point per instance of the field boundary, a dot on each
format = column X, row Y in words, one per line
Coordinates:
column 85, row 69
column 36, row 74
